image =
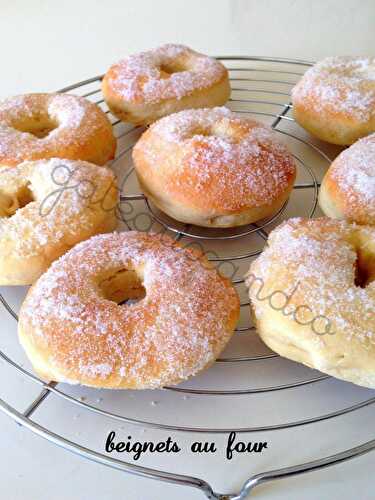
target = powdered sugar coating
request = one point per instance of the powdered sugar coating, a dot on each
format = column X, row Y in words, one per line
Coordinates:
column 184, row 321
column 62, row 214
column 141, row 78
column 215, row 159
column 350, row 180
column 341, row 84
column 320, row 254
column 314, row 262
column 79, row 129
column 70, row 201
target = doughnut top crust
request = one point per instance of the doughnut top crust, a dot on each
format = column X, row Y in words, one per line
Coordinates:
column 313, row 294
column 168, row 72
column 214, row 160
column 350, row 180
column 40, row 126
column 340, row 85
column 47, row 206
column 185, row 319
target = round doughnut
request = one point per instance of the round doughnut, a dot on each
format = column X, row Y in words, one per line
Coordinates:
column 348, row 188
column 46, row 207
column 335, row 99
column 313, row 295
column 213, row 168
column 76, row 328
column 144, row 87
column 41, row 126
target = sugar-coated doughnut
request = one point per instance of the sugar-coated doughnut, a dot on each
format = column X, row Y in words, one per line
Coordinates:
column 313, row 294
column 213, row 168
column 335, row 99
column 46, row 207
column 76, row 328
column 146, row 86
column 41, row 126
column 348, row 188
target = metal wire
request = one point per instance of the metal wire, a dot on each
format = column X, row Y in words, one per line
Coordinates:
column 311, row 186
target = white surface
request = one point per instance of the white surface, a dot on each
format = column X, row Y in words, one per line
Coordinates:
column 46, row 46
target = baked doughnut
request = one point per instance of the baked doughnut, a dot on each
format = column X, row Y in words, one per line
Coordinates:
column 348, row 188
column 75, row 327
column 146, row 86
column 41, row 126
column 335, row 99
column 313, row 294
column 46, row 207
column 213, row 168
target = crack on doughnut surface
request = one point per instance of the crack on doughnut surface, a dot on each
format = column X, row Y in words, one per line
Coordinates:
column 122, row 286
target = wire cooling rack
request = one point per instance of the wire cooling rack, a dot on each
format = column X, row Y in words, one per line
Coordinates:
column 261, row 89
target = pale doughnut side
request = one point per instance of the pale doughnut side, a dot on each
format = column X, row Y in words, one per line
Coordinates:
column 46, row 207
column 348, row 188
column 213, row 168
column 146, row 86
column 41, row 126
column 73, row 331
column 335, row 99
column 313, row 296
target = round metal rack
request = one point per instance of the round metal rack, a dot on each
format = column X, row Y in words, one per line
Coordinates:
column 260, row 88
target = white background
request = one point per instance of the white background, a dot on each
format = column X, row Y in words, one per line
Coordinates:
column 46, row 45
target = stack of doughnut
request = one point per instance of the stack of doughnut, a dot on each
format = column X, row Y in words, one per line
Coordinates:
column 133, row 310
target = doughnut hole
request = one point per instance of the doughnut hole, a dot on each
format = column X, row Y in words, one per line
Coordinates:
column 365, row 270
column 168, row 68
column 122, row 285
column 40, row 125
column 222, row 129
column 10, row 203
column 364, row 267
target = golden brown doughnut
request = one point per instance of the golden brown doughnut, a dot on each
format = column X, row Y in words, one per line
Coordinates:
column 146, row 86
column 313, row 295
column 41, row 126
column 46, row 207
column 213, row 168
column 335, row 99
column 74, row 331
column 348, row 188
